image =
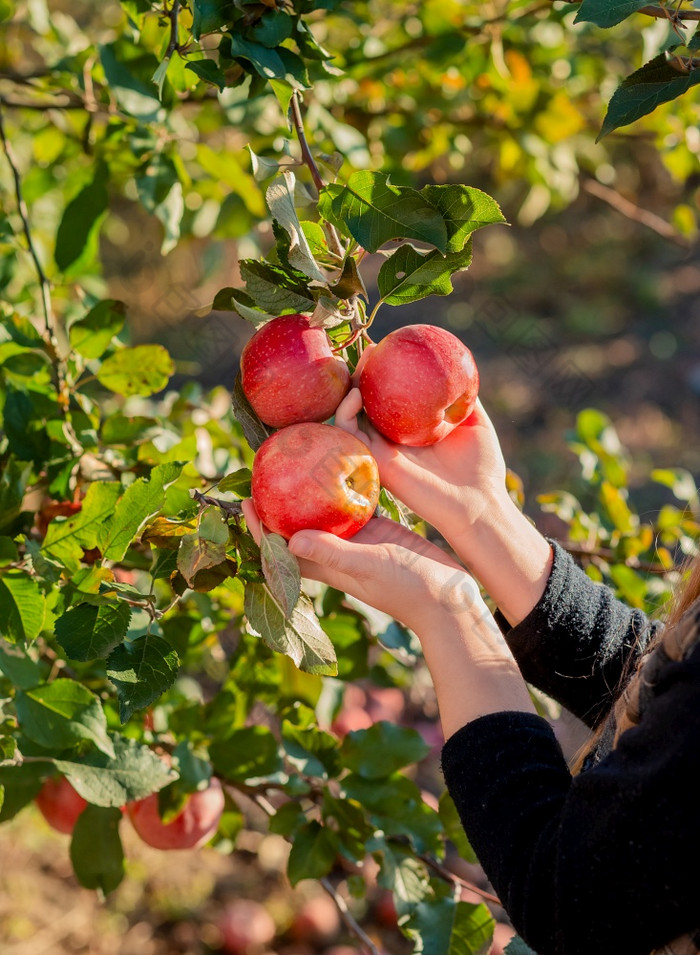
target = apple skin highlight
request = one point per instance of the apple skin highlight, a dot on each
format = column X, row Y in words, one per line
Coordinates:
column 314, row 476
column 289, row 373
column 419, row 384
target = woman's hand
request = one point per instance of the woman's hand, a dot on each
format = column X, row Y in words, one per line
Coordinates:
column 400, row 573
column 384, row 565
column 450, row 484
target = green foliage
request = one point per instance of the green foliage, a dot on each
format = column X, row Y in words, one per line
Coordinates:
column 146, row 641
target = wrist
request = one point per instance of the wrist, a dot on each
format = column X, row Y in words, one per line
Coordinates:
column 507, row 554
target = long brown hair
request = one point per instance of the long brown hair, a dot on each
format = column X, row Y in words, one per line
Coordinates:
column 673, row 642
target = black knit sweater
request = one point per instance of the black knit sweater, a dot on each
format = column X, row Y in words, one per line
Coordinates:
column 605, row 862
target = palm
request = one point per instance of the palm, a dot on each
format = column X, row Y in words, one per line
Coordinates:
column 436, row 482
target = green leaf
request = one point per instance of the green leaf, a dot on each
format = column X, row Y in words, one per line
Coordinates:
column 454, row 830
column 396, row 806
column 254, row 431
column 606, row 13
column 208, row 71
column 13, row 482
column 655, row 83
column 272, row 28
column 120, row 429
column 516, row 946
column 209, row 16
column 206, row 547
column 142, row 500
column 442, row 925
column 267, row 63
column 66, row 540
column 382, row 749
column 96, row 849
column 141, row 671
column 81, row 217
column 313, row 854
column 374, row 211
column 141, row 370
column 234, row 300
column 280, row 201
column 349, row 635
column 92, row 335
column 134, row 96
column 679, row 480
column 21, row 784
column 134, row 772
column 464, row 209
column 300, row 637
column 18, row 666
column 91, row 632
column 409, row 275
column 22, row 607
column 311, row 751
column 237, row 482
column 405, row 876
column 61, row 715
column 251, row 752
column 274, row 289
column 281, row 570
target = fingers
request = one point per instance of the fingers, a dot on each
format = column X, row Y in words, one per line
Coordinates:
column 347, row 411
column 361, row 363
column 252, row 520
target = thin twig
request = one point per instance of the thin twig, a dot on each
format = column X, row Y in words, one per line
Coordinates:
column 24, row 216
column 348, row 918
column 232, row 508
column 172, row 15
column 450, row 876
column 631, row 211
column 50, row 339
column 605, row 553
column 310, row 162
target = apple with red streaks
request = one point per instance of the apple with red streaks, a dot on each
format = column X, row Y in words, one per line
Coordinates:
column 315, row 476
column 418, row 384
column 60, row 804
column 289, row 373
column 191, row 828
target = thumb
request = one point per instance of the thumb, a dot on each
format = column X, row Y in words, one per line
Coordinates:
column 331, row 552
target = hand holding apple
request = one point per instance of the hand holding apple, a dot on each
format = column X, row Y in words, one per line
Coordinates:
column 384, row 565
column 314, row 475
column 418, row 384
column 289, row 373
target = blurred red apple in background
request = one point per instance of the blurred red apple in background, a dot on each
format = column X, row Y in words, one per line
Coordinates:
column 194, row 825
column 246, row 927
column 316, row 921
column 60, row 804
column 289, row 373
column 314, row 476
column 418, row 384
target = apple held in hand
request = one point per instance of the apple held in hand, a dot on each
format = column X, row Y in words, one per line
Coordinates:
column 314, row 476
column 193, row 826
column 60, row 804
column 289, row 373
column 418, row 384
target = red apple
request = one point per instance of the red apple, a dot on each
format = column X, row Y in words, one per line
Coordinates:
column 418, row 384
column 316, row 921
column 194, row 825
column 246, row 927
column 314, row 476
column 289, row 373
column 60, row 804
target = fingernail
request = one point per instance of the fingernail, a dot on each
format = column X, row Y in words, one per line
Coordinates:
column 301, row 546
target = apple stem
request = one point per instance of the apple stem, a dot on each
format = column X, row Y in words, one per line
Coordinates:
column 333, row 239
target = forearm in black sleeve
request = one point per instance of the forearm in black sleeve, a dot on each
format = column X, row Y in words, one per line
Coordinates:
column 578, row 641
column 600, row 862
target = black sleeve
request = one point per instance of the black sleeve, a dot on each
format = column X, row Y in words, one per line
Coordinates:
column 578, row 641
column 603, row 862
